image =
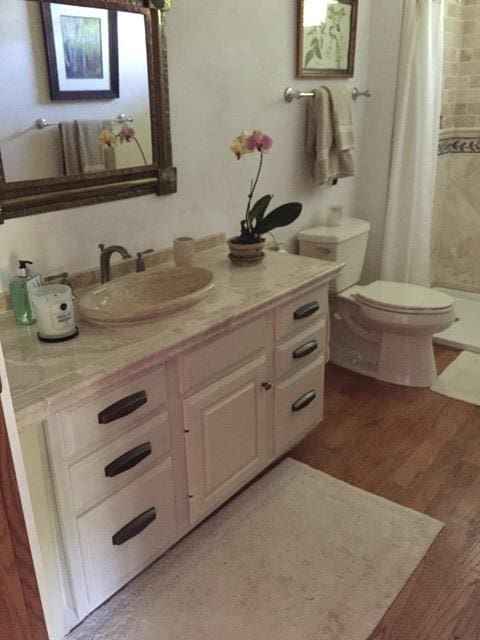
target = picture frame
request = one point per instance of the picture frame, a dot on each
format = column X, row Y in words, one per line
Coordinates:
column 82, row 51
column 326, row 36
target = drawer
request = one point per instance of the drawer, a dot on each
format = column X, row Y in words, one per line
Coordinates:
column 301, row 312
column 295, row 353
column 100, row 474
column 110, row 415
column 122, row 535
column 298, row 404
column 212, row 360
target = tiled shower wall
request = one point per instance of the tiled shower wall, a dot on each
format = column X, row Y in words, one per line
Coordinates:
column 461, row 94
column 456, row 216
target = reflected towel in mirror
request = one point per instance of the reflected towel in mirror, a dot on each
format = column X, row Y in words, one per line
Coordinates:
column 81, row 147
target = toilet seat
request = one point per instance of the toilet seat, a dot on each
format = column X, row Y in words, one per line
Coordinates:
column 401, row 297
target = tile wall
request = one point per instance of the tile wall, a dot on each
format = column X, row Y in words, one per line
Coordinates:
column 456, row 215
column 461, row 92
column 456, row 221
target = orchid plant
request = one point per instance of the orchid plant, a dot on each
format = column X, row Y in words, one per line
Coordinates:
column 255, row 222
column 126, row 134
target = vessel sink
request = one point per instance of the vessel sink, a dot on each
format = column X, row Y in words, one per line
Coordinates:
column 139, row 297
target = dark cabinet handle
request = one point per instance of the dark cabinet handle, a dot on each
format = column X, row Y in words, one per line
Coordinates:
column 307, row 310
column 304, row 401
column 122, row 407
column 135, row 526
column 128, row 460
column 305, row 350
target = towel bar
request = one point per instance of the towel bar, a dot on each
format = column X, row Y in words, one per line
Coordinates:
column 42, row 123
column 291, row 94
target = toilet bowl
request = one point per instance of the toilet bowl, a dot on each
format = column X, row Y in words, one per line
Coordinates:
column 385, row 329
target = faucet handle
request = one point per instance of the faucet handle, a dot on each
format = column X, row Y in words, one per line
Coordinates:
column 139, row 262
column 101, row 247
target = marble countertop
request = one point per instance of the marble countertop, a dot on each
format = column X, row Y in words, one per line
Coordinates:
column 46, row 378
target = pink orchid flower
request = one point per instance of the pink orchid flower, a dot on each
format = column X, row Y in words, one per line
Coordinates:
column 127, row 134
column 259, row 141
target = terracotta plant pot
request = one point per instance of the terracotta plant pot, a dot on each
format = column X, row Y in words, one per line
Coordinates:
column 243, row 254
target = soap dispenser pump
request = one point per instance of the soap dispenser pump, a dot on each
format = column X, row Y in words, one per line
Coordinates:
column 20, row 289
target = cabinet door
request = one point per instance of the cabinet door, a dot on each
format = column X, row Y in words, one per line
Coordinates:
column 226, row 429
column 298, row 405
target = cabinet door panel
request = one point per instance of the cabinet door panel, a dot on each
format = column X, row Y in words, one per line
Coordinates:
column 297, row 352
column 89, row 481
column 298, row 404
column 225, row 427
column 110, row 562
column 109, row 416
column 301, row 312
column 205, row 364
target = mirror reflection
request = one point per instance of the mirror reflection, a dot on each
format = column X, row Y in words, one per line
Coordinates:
column 43, row 135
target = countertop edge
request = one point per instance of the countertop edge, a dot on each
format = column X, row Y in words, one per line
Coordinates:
column 30, row 415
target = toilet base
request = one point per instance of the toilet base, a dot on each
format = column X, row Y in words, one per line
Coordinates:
column 400, row 359
column 407, row 360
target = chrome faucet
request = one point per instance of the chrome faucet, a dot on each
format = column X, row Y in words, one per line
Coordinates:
column 105, row 255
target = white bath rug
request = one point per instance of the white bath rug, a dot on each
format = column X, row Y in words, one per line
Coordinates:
column 461, row 379
column 297, row 556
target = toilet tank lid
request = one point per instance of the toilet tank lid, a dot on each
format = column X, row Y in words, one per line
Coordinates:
column 349, row 228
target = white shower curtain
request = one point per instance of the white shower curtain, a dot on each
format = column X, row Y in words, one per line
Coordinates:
column 406, row 249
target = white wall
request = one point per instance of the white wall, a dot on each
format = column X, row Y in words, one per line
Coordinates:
column 229, row 64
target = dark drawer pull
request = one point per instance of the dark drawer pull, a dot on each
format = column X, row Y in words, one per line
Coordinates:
column 128, row 460
column 135, row 526
column 307, row 310
column 122, row 407
column 305, row 350
column 304, row 401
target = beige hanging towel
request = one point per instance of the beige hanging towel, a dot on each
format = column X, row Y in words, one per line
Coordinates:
column 329, row 135
column 343, row 133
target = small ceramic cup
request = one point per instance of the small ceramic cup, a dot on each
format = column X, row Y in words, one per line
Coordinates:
column 183, row 251
column 334, row 216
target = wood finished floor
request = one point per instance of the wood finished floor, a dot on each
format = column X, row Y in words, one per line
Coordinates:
column 421, row 450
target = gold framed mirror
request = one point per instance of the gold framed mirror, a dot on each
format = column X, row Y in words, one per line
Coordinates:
column 326, row 33
column 58, row 152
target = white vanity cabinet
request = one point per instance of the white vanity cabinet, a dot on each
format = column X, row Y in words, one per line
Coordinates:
column 239, row 423
column 138, row 466
column 115, row 485
column 300, row 332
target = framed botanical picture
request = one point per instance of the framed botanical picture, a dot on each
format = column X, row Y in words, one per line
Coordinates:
column 326, row 31
column 82, row 51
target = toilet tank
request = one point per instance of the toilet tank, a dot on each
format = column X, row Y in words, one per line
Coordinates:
column 346, row 243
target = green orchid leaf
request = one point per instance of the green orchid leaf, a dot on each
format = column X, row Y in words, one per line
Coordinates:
column 258, row 210
column 282, row 216
column 308, row 57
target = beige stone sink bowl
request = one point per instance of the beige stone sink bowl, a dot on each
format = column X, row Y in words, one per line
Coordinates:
column 140, row 297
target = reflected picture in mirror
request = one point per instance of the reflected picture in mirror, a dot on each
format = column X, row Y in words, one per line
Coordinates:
column 61, row 154
column 326, row 38
column 86, row 81
column 82, row 51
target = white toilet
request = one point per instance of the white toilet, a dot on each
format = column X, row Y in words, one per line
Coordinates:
column 384, row 329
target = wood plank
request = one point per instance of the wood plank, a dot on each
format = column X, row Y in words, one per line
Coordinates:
column 421, row 450
column 21, row 614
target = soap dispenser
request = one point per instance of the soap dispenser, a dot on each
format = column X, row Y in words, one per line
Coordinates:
column 20, row 289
